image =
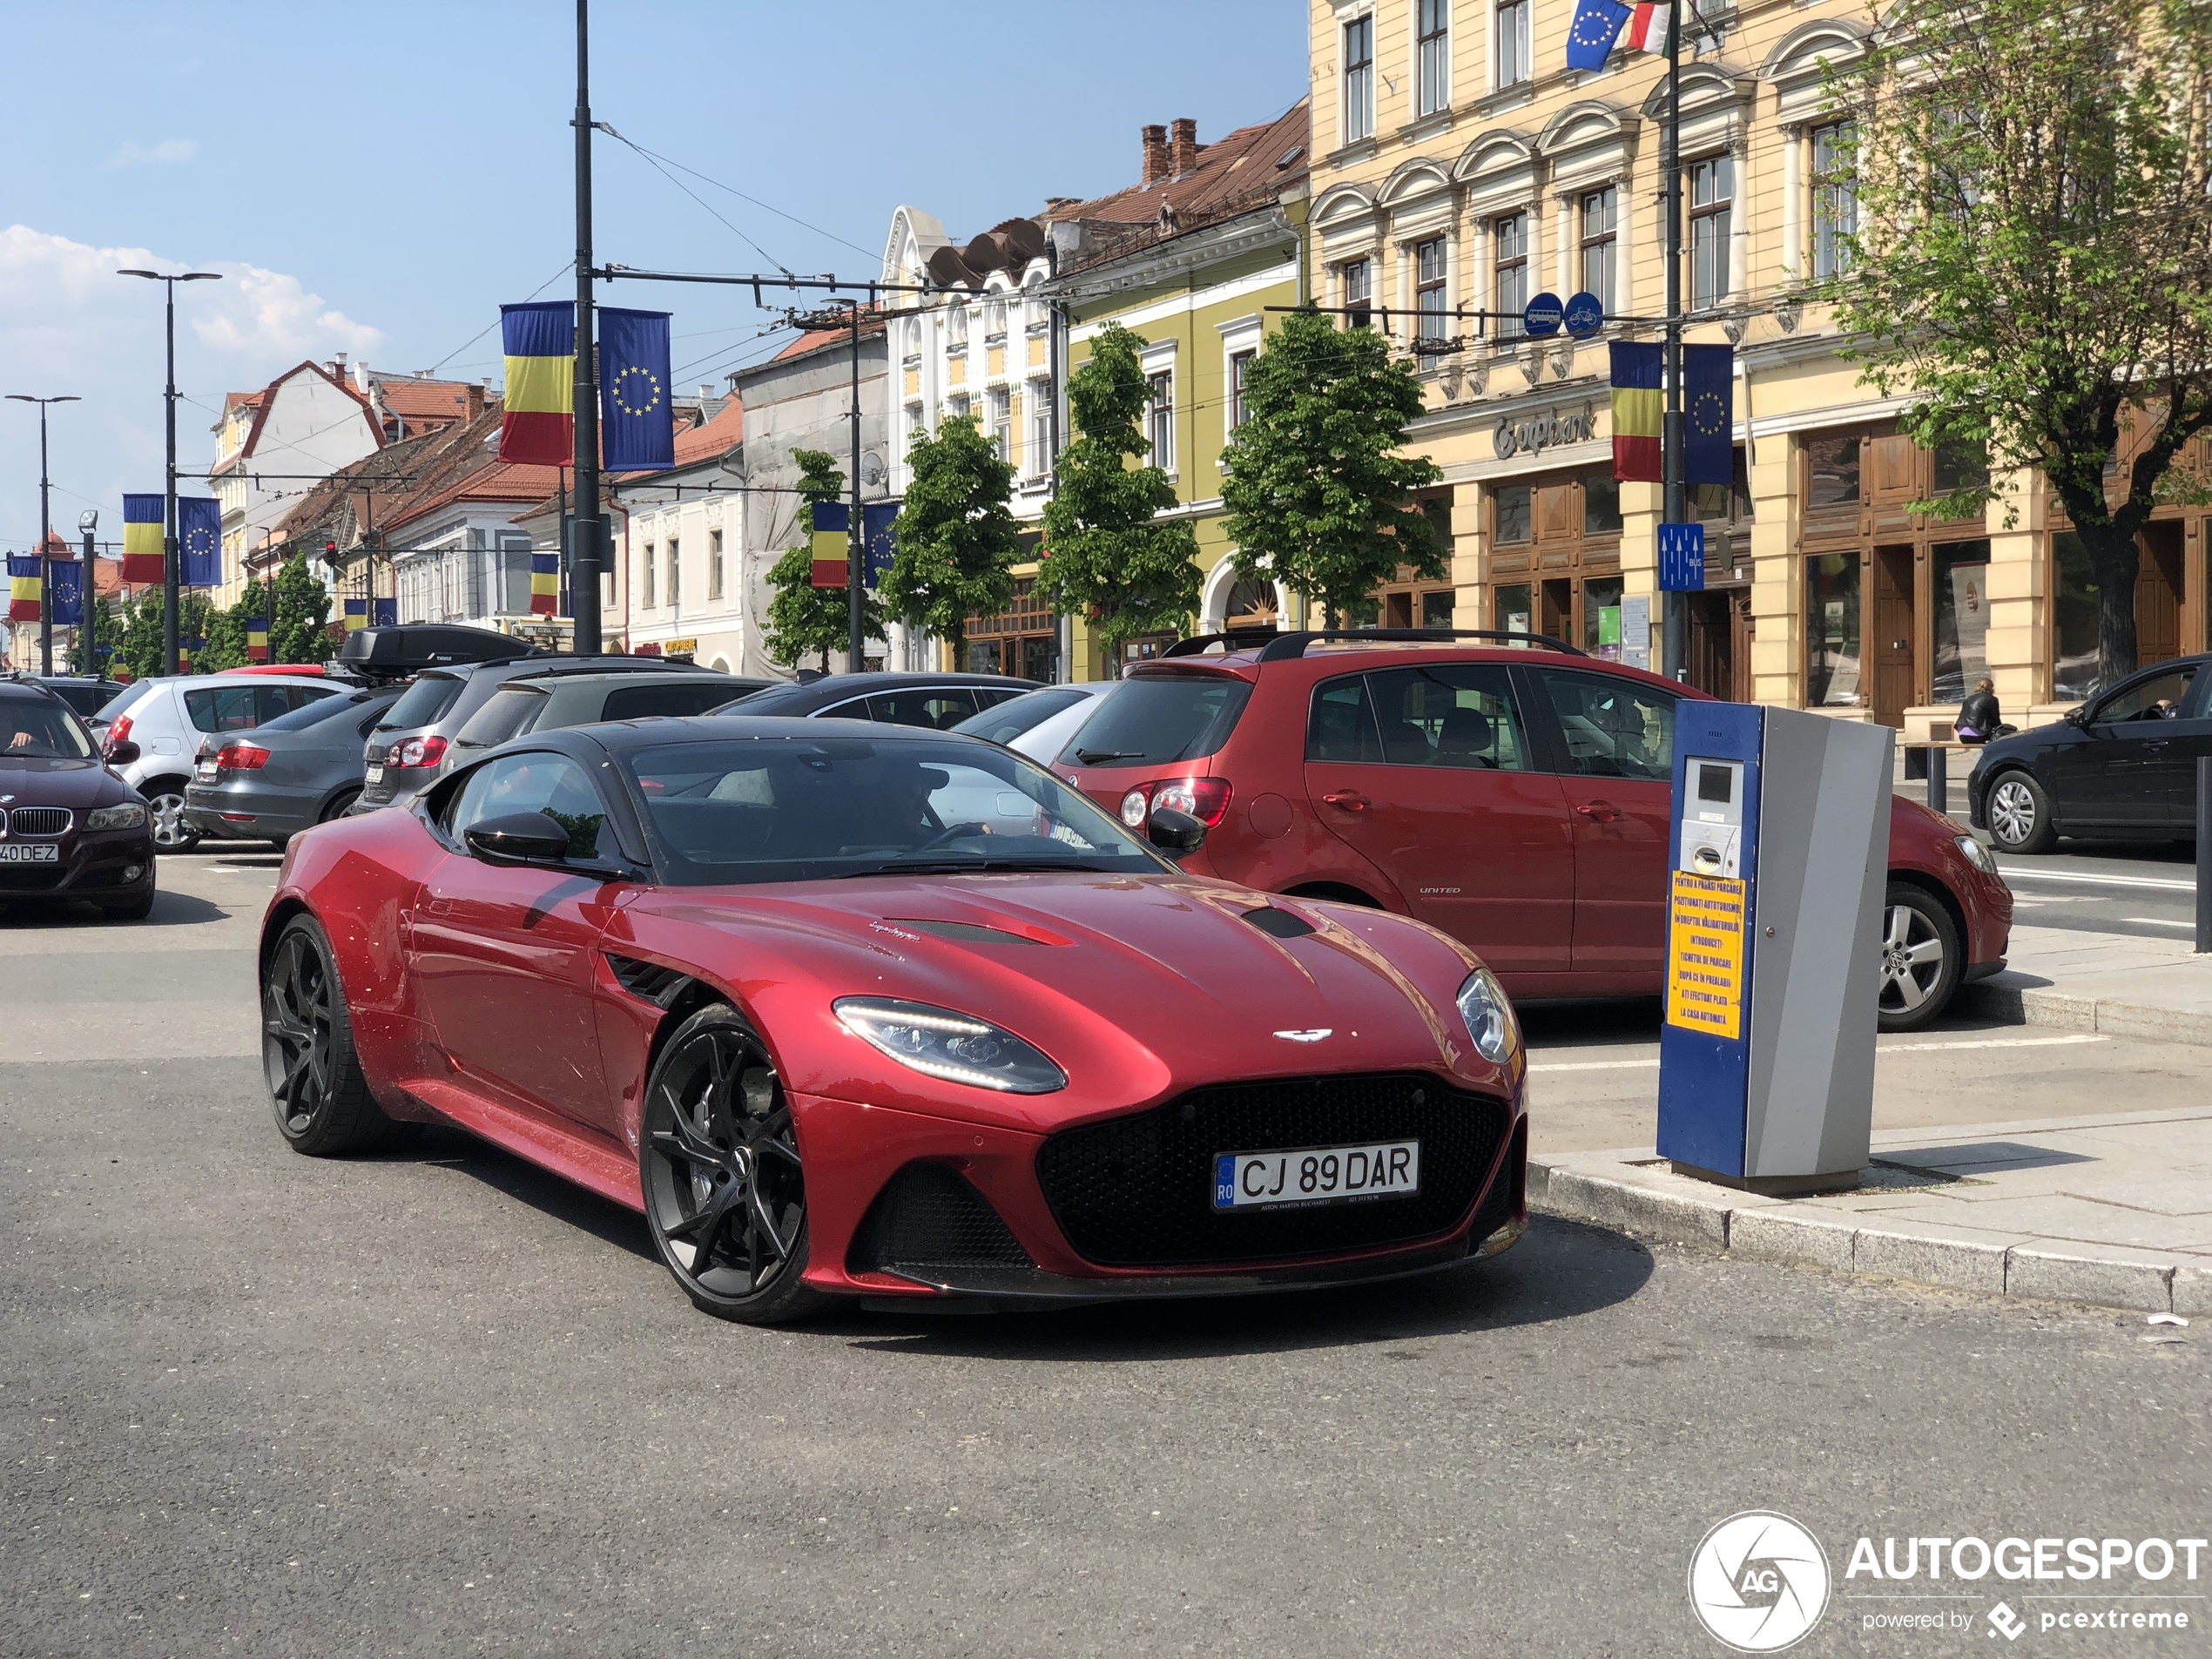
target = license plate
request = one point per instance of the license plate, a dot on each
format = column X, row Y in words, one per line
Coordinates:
column 1316, row 1175
column 205, row 771
column 374, row 775
column 25, row 853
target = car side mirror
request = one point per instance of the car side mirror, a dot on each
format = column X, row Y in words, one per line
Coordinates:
column 123, row 753
column 1175, row 832
column 519, row 838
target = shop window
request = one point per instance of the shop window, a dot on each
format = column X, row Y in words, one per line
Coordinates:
column 1439, row 607
column 1511, row 507
column 1832, row 471
column 1958, row 466
column 2074, row 630
column 1510, row 607
column 1961, row 616
column 1601, row 616
column 1600, row 504
column 1831, row 631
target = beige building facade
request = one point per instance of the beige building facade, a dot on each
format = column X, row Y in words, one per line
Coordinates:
column 1460, row 167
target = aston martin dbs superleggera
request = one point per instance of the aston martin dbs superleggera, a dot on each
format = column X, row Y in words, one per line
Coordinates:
column 850, row 1010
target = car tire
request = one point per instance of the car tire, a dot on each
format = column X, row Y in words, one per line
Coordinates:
column 322, row 1103
column 2019, row 810
column 1922, row 959
column 165, row 806
column 719, row 1164
column 130, row 910
column 338, row 804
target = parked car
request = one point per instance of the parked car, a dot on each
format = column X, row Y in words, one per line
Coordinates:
column 163, row 718
column 2122, row 766
column 548, row 702
column 69, row 827
column 829, row 1064
column 85, row 695
column 301, row 769
column 1518, row 799
column 1022, row 722
column 939, row 701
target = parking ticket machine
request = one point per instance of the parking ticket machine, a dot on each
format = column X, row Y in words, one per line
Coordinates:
column 1779, row 857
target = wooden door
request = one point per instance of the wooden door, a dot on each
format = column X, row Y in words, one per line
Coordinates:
column 1557, row 604
column 1889, row 643
column 1711, row 643
column 1740, row 629
column 1893, row 471
column 2158, row 595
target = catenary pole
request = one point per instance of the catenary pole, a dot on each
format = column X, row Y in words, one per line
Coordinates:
column 855, row 541
column 584, row 554
column 46, row 556
column 1673, row 623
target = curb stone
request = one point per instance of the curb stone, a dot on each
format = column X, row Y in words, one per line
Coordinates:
column 2058, row 1010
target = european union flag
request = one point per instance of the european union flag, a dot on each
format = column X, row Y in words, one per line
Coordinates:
column 1708, row 415
column 384, row 613
column 200, row 541
column 68, row 592
column 637, row 430
column 876, row 519
column 1590, row 36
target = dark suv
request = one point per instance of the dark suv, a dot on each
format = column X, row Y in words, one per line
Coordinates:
column 1518, row 797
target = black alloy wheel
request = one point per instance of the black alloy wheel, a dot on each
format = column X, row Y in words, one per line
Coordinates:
column 323, row 1106
column 724, row 1195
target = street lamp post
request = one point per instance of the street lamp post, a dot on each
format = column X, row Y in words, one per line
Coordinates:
column 169, row 572
column 87, row 591
column 45, row 534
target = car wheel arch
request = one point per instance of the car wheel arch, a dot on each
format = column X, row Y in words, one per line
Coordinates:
column 1940, row 890
column 272, row 927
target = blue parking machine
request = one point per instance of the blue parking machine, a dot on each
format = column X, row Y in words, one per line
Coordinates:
column 1779, row 859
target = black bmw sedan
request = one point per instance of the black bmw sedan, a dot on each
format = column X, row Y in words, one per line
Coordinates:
column 2123, row 766
column 69, row 827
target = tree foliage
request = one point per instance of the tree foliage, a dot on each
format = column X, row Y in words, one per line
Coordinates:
column 956, row 534
column 2032, row 261
column 296, row 604
column 803, row 618
column 1107, row 554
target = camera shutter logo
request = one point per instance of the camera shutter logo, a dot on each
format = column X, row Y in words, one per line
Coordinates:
column 1759, row 1582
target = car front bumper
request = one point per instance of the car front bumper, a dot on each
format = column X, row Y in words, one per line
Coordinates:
column 107, row 865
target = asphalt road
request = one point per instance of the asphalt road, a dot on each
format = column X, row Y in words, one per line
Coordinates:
column 439, row 1403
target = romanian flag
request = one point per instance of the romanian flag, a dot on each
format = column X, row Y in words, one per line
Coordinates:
column 537, row 423
column 24, row 587
column 142, row 537
column 356, row 615
column 1636, row 372
column 1648, row 27
column 545, row 584
column 832, row 544
column 257, row 639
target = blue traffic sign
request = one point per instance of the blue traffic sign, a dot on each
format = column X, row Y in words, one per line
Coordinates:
column 1540, row 317
column 1585, row 315
column 1682, row 558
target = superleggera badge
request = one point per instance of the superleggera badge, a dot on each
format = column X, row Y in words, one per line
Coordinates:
column 1315, row 1035
column 896, row 933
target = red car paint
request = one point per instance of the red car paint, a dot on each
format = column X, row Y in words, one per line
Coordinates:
column 482, row 996
column 1556, row 878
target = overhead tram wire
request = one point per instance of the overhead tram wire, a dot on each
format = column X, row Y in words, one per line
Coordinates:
column 765, row 207
column 654, row 162
column 489, row 327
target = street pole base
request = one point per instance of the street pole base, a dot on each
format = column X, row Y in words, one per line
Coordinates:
column 1775, row 1186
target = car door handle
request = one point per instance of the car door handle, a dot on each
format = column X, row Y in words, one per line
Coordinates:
column 1350, row 800
column 2155, row 742
column 1598, row 812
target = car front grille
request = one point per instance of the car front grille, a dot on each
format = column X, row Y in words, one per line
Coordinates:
column 928, row 1216
column 39, row 820
column 1138, row 1192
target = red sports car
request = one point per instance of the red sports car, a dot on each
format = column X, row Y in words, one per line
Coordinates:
column 855, row 1010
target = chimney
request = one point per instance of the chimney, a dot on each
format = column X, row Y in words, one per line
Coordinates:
column 362, row 382
column 1156, row 155
column 1182, row 147
column 475, row 404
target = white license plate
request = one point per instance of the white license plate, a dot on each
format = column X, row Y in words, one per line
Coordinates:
column 205, row 771
column 1316, row 1175
column 25, row 853
column 374, row 775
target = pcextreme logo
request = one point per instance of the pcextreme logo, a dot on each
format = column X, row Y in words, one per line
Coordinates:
column 1759, row 1582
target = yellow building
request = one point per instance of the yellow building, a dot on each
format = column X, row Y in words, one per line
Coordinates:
column 1459, row 166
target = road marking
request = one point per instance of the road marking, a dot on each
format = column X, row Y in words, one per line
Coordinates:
column 1651, row 1064
column 1994, row 1043
column 2013, row 872
column 2160, row 921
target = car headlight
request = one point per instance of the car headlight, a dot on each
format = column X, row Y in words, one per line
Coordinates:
column 1489, row 1018
column 129, row 815
column 1978, row 855
column 956, row 1047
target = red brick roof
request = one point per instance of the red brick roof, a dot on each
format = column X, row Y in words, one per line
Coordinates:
column 722, row 432
column 1234, row 174
column 443, row 401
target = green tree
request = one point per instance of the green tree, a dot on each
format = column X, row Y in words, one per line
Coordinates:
column 138, row 645
column 957, row 540
column 2030, row 259
column 803, row 618
column 1319, row 496
column 299, row 611
column 1107, row 555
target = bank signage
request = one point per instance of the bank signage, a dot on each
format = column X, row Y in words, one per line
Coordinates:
column 1542, row 432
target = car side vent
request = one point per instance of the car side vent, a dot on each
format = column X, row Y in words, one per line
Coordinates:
column 1281, row 923
column 929, row 1216
column 648, row 980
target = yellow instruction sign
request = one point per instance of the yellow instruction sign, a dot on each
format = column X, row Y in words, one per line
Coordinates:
column 1705, row 922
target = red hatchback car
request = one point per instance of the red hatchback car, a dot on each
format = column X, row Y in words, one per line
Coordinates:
column 1516, row 795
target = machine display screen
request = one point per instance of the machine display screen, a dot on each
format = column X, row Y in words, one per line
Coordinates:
column 1714, row 783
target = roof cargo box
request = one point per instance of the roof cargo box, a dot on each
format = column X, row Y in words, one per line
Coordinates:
column 384, row 653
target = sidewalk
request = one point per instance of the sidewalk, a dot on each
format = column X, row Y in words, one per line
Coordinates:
column 2076, row 980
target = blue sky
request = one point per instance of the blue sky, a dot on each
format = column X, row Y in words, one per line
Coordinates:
column 377, row 180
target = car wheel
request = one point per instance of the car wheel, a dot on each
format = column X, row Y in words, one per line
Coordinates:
column 166, row 803
column 323, row 1106
column 724, row 1195
column 2019, row 813
column 1921, row 958
column 338, row 804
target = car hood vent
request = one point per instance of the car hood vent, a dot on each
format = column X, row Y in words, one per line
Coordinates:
column 967, row 932
column 648, row 980
column 1281, row 923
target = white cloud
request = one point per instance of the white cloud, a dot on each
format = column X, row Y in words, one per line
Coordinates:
column 267, row 312
column 130, row 155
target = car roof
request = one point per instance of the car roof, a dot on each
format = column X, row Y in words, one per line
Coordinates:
column 800, row 697
column 26, row 688
column 673, row 676
column 1338, row 651
column 624, row 737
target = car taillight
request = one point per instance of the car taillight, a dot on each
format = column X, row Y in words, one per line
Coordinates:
column 1204, row 798
column 118, row 731
column 417, row 751
column 241, row 757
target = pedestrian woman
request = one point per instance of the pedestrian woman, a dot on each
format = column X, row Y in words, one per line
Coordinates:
column 1978, row 716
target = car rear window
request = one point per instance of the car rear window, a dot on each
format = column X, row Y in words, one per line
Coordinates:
column 1010, row 719
column 643, row 702
column 501, row 718
column 124, row 699
column 424, row 703
column 322, row 709
column 1155, row 718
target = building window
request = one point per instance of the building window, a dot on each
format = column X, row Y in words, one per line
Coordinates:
column 1831, row 631
column 1040, row 447
column 1432, row 55
column 1160, row 428
column 675, row 574
column 1600, row 210
column 1240, row 364
column 1357, row 280
column 1359, row 79
column 1512, row 504
column 998, row 407
column 645, row 594
column 1711, row 186
column 956, row 327
column 956, row 407
column 714, row 564
column 1834, row 199
column 994, row 322
column 1431, row 323
column 913, row 339
column 1034, row 314
column 1513, row 43
column 1509, row 283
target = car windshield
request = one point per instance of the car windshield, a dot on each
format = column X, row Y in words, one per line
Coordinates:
column 36, row 729
column 1009, row 720
column 424, row 703
column 1155, row 718
column 807, row 809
